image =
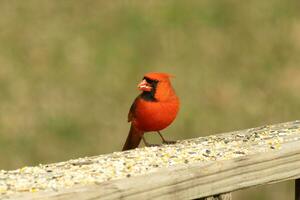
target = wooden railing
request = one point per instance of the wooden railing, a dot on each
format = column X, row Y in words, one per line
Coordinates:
column 201, row 168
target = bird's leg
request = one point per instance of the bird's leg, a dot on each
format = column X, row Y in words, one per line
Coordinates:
column 147, row 144
column 166, row 141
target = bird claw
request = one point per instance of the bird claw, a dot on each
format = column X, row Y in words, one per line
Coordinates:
column 152, row 145
column 169, row 142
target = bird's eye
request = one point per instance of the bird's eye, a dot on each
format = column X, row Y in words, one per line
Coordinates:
column 148, row 80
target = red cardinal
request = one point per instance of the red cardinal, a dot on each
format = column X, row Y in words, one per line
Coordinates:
column 153, row 110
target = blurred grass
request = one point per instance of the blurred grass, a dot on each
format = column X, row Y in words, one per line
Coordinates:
column 69, row 69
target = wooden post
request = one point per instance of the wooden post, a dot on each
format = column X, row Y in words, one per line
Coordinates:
column 297, row 189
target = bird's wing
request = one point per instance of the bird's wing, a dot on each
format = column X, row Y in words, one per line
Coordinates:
column 131, row 113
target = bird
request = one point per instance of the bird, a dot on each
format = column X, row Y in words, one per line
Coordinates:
column 154, row 109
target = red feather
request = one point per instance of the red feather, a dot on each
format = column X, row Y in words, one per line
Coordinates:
column 155, row 114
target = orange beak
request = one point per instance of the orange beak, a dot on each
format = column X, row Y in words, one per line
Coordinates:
column 144, row 86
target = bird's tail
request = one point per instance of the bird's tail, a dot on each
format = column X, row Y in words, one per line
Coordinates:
column 133, row 139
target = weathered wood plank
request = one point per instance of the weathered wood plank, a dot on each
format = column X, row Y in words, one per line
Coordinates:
column 262, row 155
column 195, row 181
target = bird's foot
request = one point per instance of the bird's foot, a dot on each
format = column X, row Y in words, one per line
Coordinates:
column 164, row 141
column 152, row 145
column 148, row 144
column 169, row 142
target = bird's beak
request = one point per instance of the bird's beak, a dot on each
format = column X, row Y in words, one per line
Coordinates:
column 144, row 86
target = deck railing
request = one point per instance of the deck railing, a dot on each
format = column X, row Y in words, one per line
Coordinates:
column 200, row 168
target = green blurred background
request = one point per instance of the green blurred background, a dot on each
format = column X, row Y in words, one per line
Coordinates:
column 69, row 69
